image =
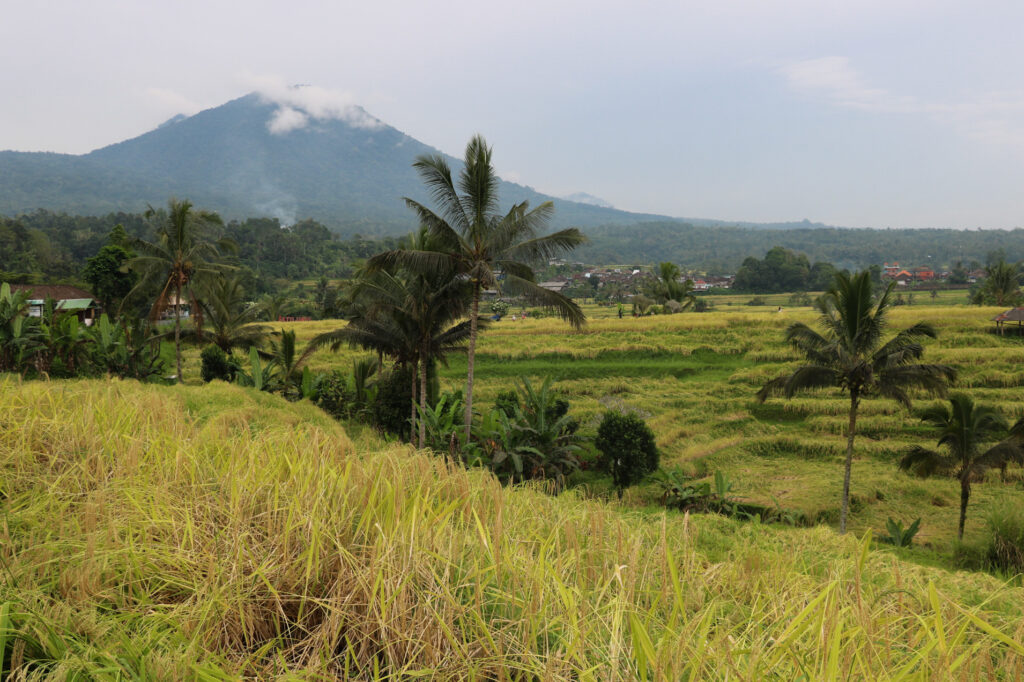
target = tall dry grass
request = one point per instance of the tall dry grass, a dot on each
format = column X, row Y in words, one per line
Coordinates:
column 174, row 533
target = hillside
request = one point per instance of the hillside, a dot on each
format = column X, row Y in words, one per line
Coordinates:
column 213, row 532
column 349, row 173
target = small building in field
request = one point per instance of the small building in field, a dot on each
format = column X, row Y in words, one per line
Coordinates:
column 1009, row 317
column 555, row 286
column 67, row 299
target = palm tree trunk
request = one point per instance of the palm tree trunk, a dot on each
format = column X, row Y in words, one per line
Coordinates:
column 412, row 417
column 965, row 495
column 177, row 325
column 850, row 433
column 423, row 397
column 470, row 357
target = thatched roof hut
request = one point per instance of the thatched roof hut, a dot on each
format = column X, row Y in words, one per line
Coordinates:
column 1012, row 315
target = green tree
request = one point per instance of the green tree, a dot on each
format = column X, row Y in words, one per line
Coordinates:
column 476, row 241
column 108, row 279
column 668, row 286
column 964, row 429
column 1001, row 286
column 231, row 320
column 20, row 337
column 851, row 354
column 409, row 316
column 183, row 249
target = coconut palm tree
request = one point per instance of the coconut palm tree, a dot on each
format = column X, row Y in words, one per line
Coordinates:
column 1001, row 286
column 411, row 318
column 231, row 322
column 478, row 242
column 850, row 354
column 964, row 428
column 669, row 288
column 182, row 250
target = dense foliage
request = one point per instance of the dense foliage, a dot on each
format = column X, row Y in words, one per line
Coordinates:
column 43, row 247
column 783, row 270
column 627, row 443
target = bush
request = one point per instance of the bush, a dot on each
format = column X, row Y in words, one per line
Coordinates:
column 1006, row 539
column 507, row 402
column 337, row 397
column 499, row 308
column 218, row 365
column 391, row 409
column 627, row 443
column 757, row 300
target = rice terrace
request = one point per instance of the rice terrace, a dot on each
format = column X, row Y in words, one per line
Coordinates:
column 209, row 531
column 289, row 393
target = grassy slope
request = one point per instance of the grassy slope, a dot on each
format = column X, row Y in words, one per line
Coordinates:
column 696, row 376
column 181, row 532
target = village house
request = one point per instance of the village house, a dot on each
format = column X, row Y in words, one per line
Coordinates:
column 66, row 299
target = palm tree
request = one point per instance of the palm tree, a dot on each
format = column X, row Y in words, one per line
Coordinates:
column 1001, row 286
column 409, row 317
column 851, row 355
column 182, row 251
column 963, row 428
column 671, row 289
column 233, row 323
column 477, row 242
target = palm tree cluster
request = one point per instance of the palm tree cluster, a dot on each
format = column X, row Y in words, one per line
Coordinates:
column 187, row 262
column 411, row 304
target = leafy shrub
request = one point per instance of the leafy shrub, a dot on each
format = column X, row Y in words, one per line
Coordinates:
column 499, row 308
column 218, row 365
column 1006, row 538
column 507, row 402
column 337, row 397
column 702, row 305
column 800, row 298
column 529, row 435
column 627, row 443
column 349, row 396
column 757, row 300
column 391, row 409
column 898, row 535
column 443, row 423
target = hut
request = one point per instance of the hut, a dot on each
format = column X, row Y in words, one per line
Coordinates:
column 1012, row 315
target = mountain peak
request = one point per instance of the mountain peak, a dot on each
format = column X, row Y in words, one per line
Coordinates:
column 288, row 152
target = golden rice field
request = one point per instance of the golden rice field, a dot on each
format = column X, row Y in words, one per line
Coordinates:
column 696, row 376
column 174, row 533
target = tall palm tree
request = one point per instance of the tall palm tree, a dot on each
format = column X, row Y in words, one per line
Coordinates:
column 478, row 242
column 182, row 250
column 964, row 428
column 850, row 354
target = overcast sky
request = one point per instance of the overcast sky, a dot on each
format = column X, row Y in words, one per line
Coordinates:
column 851, row 112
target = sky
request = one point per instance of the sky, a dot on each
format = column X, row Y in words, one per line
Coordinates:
column 880, row 113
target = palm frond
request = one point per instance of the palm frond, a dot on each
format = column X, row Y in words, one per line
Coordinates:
column 564, row 307
column 925, row 462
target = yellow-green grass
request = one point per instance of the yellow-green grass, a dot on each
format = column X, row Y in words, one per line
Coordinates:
column 696, row 375
column 215, row 532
